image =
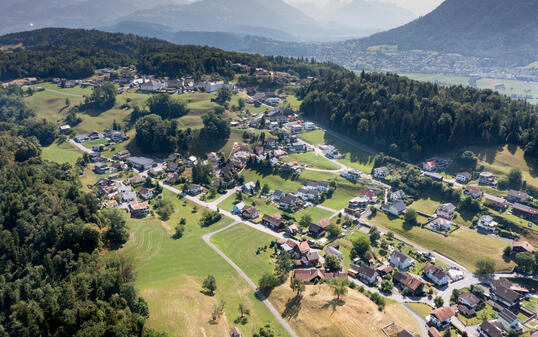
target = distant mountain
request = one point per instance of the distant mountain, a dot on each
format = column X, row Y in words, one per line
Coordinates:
column 368, row 14
column 506, row 30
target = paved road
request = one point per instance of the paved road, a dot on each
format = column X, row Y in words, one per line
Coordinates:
column 275, row 313
column 63, row 93
column 80, row 146
column 421, row 320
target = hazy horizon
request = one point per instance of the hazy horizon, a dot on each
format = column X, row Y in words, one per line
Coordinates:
column 419, row 7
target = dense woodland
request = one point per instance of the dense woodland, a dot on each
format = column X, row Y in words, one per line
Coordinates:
column 410, row 119
column 75, row 53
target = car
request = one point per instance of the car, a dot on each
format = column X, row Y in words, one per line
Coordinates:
column 529, row 224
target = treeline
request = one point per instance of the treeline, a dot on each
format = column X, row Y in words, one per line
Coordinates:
column 75, row 53
column 409, row 119
column 53, row 281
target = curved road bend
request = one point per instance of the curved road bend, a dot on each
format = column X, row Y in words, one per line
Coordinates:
column 268, row 304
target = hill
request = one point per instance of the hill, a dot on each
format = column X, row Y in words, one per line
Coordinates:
column 505, row 30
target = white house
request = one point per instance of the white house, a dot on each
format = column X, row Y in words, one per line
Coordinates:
column 396, row 208
column 436, row 274
column 487, row 224
column 400, row 260
column 307, row 194
column 510, row 321
column 153, row 85
column 446, row 211
column 238, row 208
column 214, row 86
column 397, row 195
column 191, row 161
column 366, row 274
column 463, row 177
column 381, row 172
column 441, row 224
column 441, row 317
column 249, row 187
column 309, row 126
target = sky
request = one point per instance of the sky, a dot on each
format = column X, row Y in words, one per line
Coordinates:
column 419, row 7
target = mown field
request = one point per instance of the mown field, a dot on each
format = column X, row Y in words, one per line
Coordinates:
column 61, row 153
column 170, row 274
column 312, row 160
column 463, row 246
column 352, row 156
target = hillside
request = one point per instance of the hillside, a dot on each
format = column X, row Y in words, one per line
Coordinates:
column 506, row 30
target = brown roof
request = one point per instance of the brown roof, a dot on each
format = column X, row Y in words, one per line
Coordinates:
column 385, row 269
column 506, row 294
column 490, row 329
column 307, row 275
column 469, row 298
column 524, row 245
column 413, row 283
column 433, row 332
column 466, row 311
column 137, row 206
column 405, row 333
column 443, row 313
column 303, row 247
column 324, row 223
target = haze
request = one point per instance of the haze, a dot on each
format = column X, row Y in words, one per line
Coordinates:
column 419, row 7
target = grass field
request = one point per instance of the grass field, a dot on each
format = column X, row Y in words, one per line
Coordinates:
column 486, row 313
column 240, row 244
column 61, row 153
column 261, row 206
column 519, row 88
column 420, row 308
column 427, row 206
column 317, row 314
column 353, row 157
column 438, row 78
column 315, row 212
column 463, row 246
column 170, row 274
column 275, row 182
column 312, row 160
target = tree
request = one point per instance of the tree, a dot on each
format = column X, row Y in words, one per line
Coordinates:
column 103, row 97
column 265, row 189
column 178, row 231
column 438, row 301
column 485, row 266
column 334, row 231
column 526, row 261
column 243, row 310
column 117, row 232
column 306, row 221
column 209, row 218
column 340, row 288
column 165, row 208
column 468, row 159
column 297, row 286
column 284, row 263
column 267, row 283
column 210, row 284
column 332, row 263
column 374, row 235
column 223, row 95
column 373, row 211
column 515, row 179
column 411, row 216
column 241, row 103
column 67, row 101
column 266, row 331
column 386, row 286
column 361, row 246
column 167, row 106
column 507, row 252
column 218, row 311
column 215, row 128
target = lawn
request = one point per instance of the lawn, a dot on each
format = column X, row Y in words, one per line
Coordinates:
column 275, row 182
column 261, row 205
column 486, row 313
column 420, row 308
column 315, row 212
column 427, row 206
column 463, row 246
column 317, row 314
column 353, row 157
column 240, row 243
column 293, row 101
column 438, row 78
column 61, row 153
column 312, row 160
column 170, row 273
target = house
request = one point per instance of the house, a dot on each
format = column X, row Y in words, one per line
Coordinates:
column 137, row 180
column 172, row 178
column 213, row 158
column 82, row 139
column 517, row 196
column 153, row 85
column 395, row 208
column 314, row 275
column 117, row 136
column 436, row 274
column 292, row 230
column 195, row 189
column 278, row 115
column 139, row 210
column 501, row 282
column 235, row 332
column 302, row 248
column 191, row 161
column 309, row 126
column 525, row 212
column 413, row 284
column 397, row 195
column 359, row 202
column 433, row 176
column 463, row 177
column 473, row 191
column 495, row 202
column 332, row 152
column 272, row 222
column 288, row 201
column 486, row 223
column 122, row 155
column 469, row 299
column 370, row 194
column 441, row 317
column 321, row 186
column 318, row 229
column 238, row 208
column 400, row 260
column 298, row 147
column 331, row 250
column 446, row 211
column 381, row 172
column 433, row 332
column 366, row 274
column 296, row 128
column 146, row 193
column 311, row 258
column 488, row 329
column 487, row 179
column 510, row 321
column 307, row 194
column 441, row 224
column 277, row 195
column 429, row 166
column 351, row 175
column 384, row 270
column 521, row 247
column 65, row 129
column 249, row 187
column 506, row 296
column 466, row 311
column 101, row 168
column 128, row 195
column 250, row 212
column 141, row 163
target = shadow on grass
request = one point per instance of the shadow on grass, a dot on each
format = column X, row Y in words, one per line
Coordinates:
column 334, row 304
column 293, row 307
column 207, row 293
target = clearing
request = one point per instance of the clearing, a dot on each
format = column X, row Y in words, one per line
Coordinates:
column 312, row 160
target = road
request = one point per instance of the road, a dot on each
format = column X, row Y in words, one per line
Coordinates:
column 421, row 320
column 268, row 304
column 80, row 146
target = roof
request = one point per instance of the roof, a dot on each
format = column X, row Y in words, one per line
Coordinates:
column 307, row 275
column 405, row 333
column 399, row 205
column 518, row 194
column 495, row 199
column 303, row 247
column 467, row 175
column 469, row 298
column 400, row 277
column 473, row 189
column 490, row 329
column 525, row 208
column 146, row 190
column 507, row 315
column 442, row 222
column 413, row 283
column 435, row 271
column 433, row 332
column 443, row 313
column 502, row 282
column 366, row 271
column 272, row 220
column 448, row 207
column 466, row 311
column 524, row 245
column 135, row 206
column 506, row 294
column 399, row 256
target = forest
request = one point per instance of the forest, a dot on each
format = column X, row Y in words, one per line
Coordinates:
column 76, row 53
column 409, row 119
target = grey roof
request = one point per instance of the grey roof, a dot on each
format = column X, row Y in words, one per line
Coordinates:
column 506, row 294
column 470, row 298
column 142, row 161
column 448, row 207
column 401, row 257
column 366, row 271
column 399, row 205
column 507, row 315
column 490, row 329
